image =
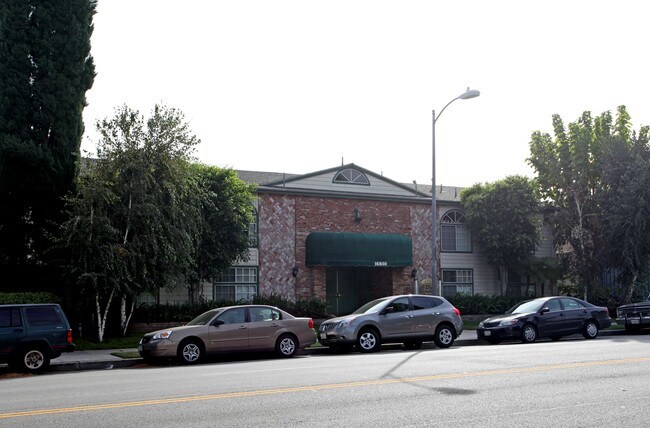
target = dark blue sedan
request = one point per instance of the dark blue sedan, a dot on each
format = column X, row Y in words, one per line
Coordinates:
column 551, row 317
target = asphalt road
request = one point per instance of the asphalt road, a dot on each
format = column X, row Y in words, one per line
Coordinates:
column 570, row 383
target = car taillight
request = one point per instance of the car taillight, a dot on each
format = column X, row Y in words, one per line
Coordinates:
column 456, row 311
column 311, row 323
column 69, row 336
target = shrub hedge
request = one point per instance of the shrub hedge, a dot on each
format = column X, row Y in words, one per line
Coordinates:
column 479, row 304
column 30, row 298
column 187, row 311
column 476, row 304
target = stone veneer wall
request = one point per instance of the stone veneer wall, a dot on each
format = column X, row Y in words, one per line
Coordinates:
column 276, row 217
column 286, row 221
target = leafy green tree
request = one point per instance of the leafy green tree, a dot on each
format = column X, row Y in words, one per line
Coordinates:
column 45, row 70
column 625, row 202
column 226, row 214
column 134, row 221
column 504, row 218
column 569, row 172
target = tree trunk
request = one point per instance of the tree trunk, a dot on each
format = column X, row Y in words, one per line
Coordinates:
column 101, row 318
column 503, row 273
column 126, row 317
column 630, row 289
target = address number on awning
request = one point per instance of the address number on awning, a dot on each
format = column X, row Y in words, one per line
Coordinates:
column 379, row 264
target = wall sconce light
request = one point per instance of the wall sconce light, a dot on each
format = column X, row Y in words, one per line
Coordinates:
column 414, row 272
column 294, row 271
column 357, row 215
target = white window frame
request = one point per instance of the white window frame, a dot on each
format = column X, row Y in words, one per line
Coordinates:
column 462, row 282
column 235, row 284
column 462, row 237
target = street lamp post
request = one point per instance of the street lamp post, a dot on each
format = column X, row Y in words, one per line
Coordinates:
column 469, row 93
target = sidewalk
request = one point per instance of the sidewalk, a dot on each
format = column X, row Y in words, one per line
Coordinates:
column 104, row 360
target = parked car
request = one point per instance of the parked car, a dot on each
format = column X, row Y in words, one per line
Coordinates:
column 634, row 316
column 407, row 319
column 32, row 335
column 551, row 317
column 231, row 329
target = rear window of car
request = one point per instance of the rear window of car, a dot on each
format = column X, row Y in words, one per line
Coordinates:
column 10, row 317
column 40, row 316
column 424, row 302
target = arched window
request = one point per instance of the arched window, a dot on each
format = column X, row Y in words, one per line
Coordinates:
column 454, row 234
column 351, row 176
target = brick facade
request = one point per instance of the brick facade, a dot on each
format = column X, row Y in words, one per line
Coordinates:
column 285, row 221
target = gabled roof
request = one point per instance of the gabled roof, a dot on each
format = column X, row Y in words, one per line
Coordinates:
column 323, row 183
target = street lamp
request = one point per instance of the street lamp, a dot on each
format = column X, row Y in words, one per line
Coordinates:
column 469, row 93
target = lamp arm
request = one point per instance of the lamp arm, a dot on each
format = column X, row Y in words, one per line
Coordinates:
column 435, row 119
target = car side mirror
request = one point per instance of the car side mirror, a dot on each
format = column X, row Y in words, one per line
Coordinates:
column 388, row 310
column 544, row 310
column 217, row 323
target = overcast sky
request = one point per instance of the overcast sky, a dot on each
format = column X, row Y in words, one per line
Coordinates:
column 301, row 86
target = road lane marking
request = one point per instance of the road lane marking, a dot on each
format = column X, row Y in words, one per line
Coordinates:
column 322, row 387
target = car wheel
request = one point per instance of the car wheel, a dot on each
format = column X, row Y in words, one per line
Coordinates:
column 412, row 345
column 190, row 351
column 286, row 346
column 591, row 330
column 444, row 337
column 33, row 359
column 493, row 341
column 528, row 333
column 369, row 340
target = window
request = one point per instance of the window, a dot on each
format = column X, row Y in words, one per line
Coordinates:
column 424, row 302
column 401, row 304
column 233, row 316
column 351, row 176
column 571, row 304
column 454, row 234
column 10, row 318
column 46, row 315
column 238, row 274
column 263, row 314
column 236, row 284
column 457, row 281
column 553, row 305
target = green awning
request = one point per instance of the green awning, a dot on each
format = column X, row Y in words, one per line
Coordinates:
column 358, row 249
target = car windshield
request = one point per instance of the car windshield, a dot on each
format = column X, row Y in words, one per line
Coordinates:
column 371, row 307
column 526, row 307
column 205, row 317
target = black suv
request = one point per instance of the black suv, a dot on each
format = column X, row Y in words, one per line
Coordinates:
column 31, row 335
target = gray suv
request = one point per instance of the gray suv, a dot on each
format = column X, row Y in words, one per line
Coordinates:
column 31, row 335
column 408, row 319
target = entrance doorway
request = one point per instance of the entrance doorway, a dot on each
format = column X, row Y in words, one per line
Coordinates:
column 347, row 288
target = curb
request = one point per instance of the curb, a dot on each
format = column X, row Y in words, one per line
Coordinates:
column 130, row 362
column 94, row 365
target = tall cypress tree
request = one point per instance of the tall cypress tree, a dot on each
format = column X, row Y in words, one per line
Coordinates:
column 45, row 70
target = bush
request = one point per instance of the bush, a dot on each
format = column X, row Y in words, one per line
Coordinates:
column 312, row 308
column 30, row 298
column 478, row 304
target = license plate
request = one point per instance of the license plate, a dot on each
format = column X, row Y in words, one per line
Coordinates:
column 634, row 321
column 323, row 336
column 487, row 333
column 140, row 348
